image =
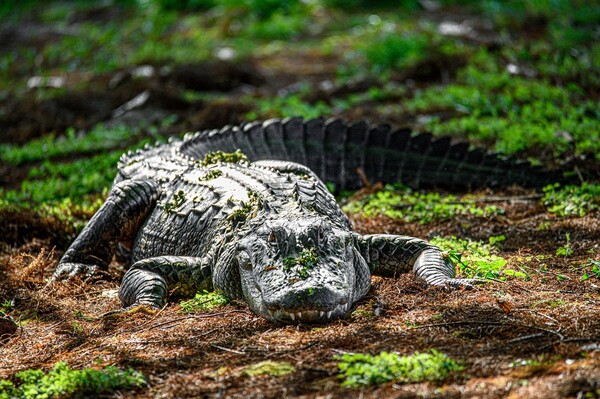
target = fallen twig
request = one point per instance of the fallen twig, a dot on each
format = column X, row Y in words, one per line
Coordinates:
column 492, row 323
column 228, row 349
column 200, row 316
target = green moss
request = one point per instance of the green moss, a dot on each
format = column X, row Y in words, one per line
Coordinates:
column 220, row 156
column 176, row 201
column 592, row 269
column 54, row 182
column 62, row 381
column 285, row 105
column 210, row 175
column 512, row 113
column 359, row 370
column 204, row 301
column 145, row 34
column 476, row 259
column 400, row 202
column 186, row 5
column 246, row 210
column 269, row 367
column 572, row 200
column 306, row 261
column 394, row 51
column 280, row 25
column 565, row 250
column 47, row 147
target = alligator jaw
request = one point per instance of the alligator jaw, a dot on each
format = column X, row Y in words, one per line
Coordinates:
column 308, row 316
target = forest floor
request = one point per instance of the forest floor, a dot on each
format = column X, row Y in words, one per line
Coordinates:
column 533, row 330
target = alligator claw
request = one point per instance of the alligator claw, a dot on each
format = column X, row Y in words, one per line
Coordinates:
column 463, row 283
column 68, row 270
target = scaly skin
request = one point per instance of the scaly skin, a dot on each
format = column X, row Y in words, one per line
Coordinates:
column 267, row 232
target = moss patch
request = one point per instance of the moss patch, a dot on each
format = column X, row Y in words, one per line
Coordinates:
column 220, row 156
column 307, row 260
column 572, row 200
column 358, row 370
column 476, row 259
column 210, row 175
column 399, row 202
column 204, row 301
column 269, row 367
column 62, row 381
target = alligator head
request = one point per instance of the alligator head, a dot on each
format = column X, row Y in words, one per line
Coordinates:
column 307, row 271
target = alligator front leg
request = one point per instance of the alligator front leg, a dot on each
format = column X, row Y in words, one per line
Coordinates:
column 147, row 281
column 388, row 255
column 127, row 205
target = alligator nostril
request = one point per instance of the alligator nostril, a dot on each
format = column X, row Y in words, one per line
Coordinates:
column 309, row 298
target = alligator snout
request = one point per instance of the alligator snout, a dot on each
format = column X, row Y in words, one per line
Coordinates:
column 307, row 305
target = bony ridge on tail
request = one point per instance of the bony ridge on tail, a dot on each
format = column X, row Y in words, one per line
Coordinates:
column 244, row 210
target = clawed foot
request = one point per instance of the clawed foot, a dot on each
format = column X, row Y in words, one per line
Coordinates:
column 68, row 270
column 463, row 283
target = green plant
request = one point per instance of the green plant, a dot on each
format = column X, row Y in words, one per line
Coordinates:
column 262, row 8
column 280, row 25
column 394, row 51
column 6, row 306
column 62, row 381
column 282, row 106
column 497, row 241
column 55, row 185
column 565, row 250
column 247, row 209
column 475, row 259
column 594, row 271
column 307, row 260
column 404, row 5
column 572, row 200
column 186, row 5
column 226, row 157
column 512, row 113
column 204, row 301
column 211, row 174
column 177, row 200
column 54, row 182
column 269, row 367
column 358, row 370
column 51, row 146
column 399, row 202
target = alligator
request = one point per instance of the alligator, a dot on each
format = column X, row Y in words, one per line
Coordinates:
column 243, row 210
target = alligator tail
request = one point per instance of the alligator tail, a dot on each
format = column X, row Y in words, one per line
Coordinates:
column 337, row 150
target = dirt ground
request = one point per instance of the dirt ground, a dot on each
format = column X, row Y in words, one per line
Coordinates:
column 491, row 329
column 536, row 337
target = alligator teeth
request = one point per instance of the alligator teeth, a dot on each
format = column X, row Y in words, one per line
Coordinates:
column 329, row 314
column 321, row 313
column 299, row 315
column 344, row 307
column 293, row 316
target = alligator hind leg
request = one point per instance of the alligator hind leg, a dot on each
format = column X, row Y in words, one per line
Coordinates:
column 388, row 255
column 127, row 205
column 147, row 281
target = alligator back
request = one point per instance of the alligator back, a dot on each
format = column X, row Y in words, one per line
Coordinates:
column 199, row 200
column 336, row 150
